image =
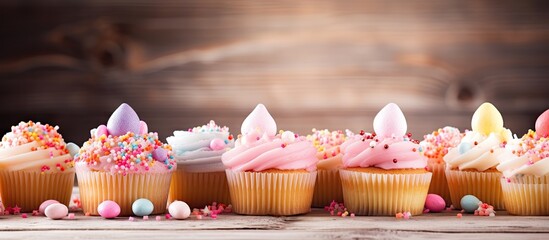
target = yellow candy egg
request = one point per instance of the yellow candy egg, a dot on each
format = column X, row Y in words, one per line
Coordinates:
column 487, row 119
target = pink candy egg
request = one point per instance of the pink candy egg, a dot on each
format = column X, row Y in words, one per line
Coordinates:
column 179, row 210
column 217, row 144
column 45, row 204
column 108, row 209
column 143, row 128
column 542, row 124
column 435, row 203
column 101, row 130
column 56, row 211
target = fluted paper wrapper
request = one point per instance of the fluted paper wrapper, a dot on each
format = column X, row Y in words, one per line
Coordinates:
column 439, row 184
column 483, row 185
column 526, row 195
column 265, row 193
column 199, row 189
column 384, row 194
column 327, row 188
column 96, row 187
column 28, row 189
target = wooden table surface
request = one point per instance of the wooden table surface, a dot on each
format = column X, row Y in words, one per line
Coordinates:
column 318, row 224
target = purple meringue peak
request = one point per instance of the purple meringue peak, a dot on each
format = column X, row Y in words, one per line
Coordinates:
column 123, row 120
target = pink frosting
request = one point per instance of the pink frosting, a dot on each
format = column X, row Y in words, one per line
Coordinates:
column 392, row 149
column 259, row 148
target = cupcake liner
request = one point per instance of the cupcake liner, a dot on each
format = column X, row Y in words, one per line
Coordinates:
column 28, row 189
column 378, row 194
column 327, row 188
column 526, row 195
column 96, row 187
column 199, row 189
column 266, row 193
column 439, row 184
column 483, row 185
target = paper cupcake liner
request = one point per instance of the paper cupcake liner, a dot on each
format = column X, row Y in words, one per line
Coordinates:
column 439, row 184
column 199, row 189
column 483, row 185
column 384, row 194
column 28, row 190
column 526, row 195
column 327, row 188
column 96, row 187
column 265, row 193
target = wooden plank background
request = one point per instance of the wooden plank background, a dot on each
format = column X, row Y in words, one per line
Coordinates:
column 324, row 64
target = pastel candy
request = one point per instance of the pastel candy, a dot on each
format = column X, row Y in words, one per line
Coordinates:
column 45, row 204
column 260, row 120
column 56, row 211
column 160, row 154
column 142, row 207
column 123, row 120
column 73, row 149
column 179, row 210
column 217, row 144
column 487, row 119
column 390, row 121
column 143, row 128
column 108, row 209
column 463, row 147
column 542, row 124
column 435, row 203
column 101, row 130
column 469, row 203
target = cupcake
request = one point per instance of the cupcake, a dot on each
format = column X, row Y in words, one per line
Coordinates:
column 471, row 166
column 384, row 173
column 269, row 173
column 200, row 176
column 35, row 166
column 525, row 184
column 435, row 146
column 123, row 162
column 328, row 183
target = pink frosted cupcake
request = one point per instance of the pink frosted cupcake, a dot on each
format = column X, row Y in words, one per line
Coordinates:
column 328, row 183
column 435, row 146
column 269, row 173
column 384, row 173
column 123, row 162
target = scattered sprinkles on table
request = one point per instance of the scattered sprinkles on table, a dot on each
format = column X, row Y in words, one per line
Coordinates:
column 436, row 144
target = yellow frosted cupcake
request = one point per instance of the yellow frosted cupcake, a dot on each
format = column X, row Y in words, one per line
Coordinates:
column 435, row 146
column 526, row 172
column 269, row 173
column 123, row 162
column 471, row 166
column 35, row 166
column 384, row 172
column 328, row 182
column 200, row 176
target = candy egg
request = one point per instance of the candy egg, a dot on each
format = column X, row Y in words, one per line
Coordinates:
column 160, row 154
column 261, row 120
column 217, row 144
column 73, row 149
column 542, row 124
column 469, row 203
column 123, row 120
column 179, row 210
column 143, row 128
column 390, row 121
column 45, row 204
column 108, row 209
column 101, row 130
column 56, row 211
column 435, row 203
column 487, row 119
column 142, row 207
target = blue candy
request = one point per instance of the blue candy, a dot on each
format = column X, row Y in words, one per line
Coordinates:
column 73, row 149
column 142, row 207
column 469, row 203
column 463, row 147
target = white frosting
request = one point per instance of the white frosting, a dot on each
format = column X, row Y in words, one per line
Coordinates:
column 483, row 156
column 23, row 158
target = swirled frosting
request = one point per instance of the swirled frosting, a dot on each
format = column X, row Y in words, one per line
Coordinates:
column 199, row 149
column 481, row 148
column 388, row 148
column 530, row 153
column 435, row 145
column 259, row 148
column 35, row 147
column 327, row 144
column 125, row 146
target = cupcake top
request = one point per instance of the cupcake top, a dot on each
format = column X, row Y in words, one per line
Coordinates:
column 530, row 153
column 480, row 149
column 436, row 145
column 199, row 149
column 260, row 148
column 33, row 146
column 327, row 144
column 125, row 146
column 388, row 148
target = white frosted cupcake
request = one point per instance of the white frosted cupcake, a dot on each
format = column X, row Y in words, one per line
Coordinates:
column 200, row 176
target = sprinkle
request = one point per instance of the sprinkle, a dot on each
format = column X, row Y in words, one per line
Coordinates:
column 24, row 215
column 352, row 215
column 158, row 218
column 399, row 215
column 459, row 215
column 16, row 210
column 35, row 213
column 199, row 217
column 407, row 215
column 71, row 215
column 131, row 219
column 386, row 146
column 145, row 217
column 372, row 144
column 168, row 216
column 87, row 214
column 395, row 160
